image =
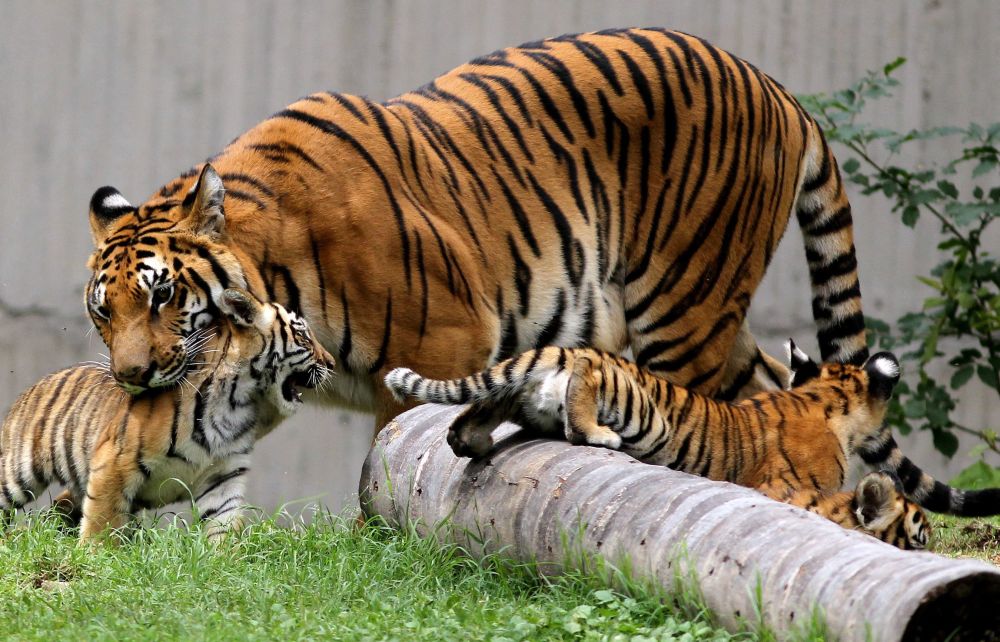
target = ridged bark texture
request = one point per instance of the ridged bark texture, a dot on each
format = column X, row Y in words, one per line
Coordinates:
column 555, row 503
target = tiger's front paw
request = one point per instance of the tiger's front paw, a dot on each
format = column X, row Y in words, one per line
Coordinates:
column 469, row 443
column 595, row 435
column 604, row 437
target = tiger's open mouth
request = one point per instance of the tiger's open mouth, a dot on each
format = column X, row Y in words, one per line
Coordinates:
column 290, row 388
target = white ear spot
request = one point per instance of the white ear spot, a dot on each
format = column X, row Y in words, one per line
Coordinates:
column 886, row 367
column 114, row 202
column 788, row 350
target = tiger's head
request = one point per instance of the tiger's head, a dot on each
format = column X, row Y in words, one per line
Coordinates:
column 854, row 397
column 276, row 348
column 157, row 274
column 883, row 511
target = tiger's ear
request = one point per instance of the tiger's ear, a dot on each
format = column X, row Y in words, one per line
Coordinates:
column 883, row 374
column 803, row 368
column 241, row 307
column 106, row 206
column 206, row 215
column 875, row 498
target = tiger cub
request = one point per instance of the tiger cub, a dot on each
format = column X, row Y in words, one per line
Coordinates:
column 117, row 453
column 877, row 506
column 786, row 444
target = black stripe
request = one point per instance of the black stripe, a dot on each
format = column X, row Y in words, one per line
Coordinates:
column 823, row 175
column 554, row 325
column 345, row 102
column 565, row 77
column 563, row 228
column 520, row 216
column 277, row 150
column 640, row 81
column 221, row 479
column 382, row 351
column 249, row 180
column 329, row 127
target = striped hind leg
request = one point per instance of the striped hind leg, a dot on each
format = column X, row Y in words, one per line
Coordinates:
column 68, row 507
column 470, row 435
column 220, row 497
column 750, row 370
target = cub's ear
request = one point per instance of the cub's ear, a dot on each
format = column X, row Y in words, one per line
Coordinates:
column 206, row 214
column 883, row 374
column 241, row 307
column 875, row 498
column 803, row 368
column 106, row 206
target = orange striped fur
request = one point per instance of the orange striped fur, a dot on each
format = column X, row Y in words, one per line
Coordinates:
column 117, row 453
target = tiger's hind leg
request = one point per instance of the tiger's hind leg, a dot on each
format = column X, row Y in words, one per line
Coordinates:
column 470, row 435
column 581, row 408
column 750, row 370
column 68, row 508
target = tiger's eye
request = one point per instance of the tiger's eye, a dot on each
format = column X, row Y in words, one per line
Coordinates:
column 162, row 294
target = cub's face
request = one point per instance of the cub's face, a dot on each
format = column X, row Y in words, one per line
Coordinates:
column 277, row 348
column 157, row 274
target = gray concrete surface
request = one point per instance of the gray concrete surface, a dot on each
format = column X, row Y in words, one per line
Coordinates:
column 130, row 94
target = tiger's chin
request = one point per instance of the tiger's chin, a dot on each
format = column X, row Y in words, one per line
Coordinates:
column 131, row 388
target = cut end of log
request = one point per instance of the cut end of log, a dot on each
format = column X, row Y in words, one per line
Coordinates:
column 958, row 611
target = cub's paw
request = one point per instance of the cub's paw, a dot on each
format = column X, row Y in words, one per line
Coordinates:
column 469, row 443
column 605, row 437
column 595, row 435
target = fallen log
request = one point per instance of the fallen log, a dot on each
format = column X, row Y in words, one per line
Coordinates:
column 754, row 560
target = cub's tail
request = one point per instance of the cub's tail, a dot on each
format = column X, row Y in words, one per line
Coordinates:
column 503, row 380
column 882, row 452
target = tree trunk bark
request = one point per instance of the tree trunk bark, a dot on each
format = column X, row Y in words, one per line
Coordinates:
column 755, row 561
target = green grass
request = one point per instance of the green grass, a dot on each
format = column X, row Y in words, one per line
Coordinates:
column 333, row 580
column 327, row 580
column 965, row 537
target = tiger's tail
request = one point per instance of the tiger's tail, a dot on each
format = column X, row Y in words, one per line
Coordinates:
column 935, row 496
column 824, row 216
column 493, row 384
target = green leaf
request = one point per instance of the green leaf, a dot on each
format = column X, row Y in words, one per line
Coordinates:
column 910, row 215
column 988, row 376
column 977, row 476
column 915, row 409
column 604, row 596
column 985, row 166
column 893, row 66
column 851, row 165
column 945, row 442
column 934, row 283
column 961, row 377
column 948, row 189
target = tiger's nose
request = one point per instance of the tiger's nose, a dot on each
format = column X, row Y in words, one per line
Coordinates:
column 132, row 374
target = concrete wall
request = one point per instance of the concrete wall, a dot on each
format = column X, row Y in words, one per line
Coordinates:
column 130, row 93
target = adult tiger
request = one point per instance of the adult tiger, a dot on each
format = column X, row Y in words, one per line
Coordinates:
column 612, row 189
